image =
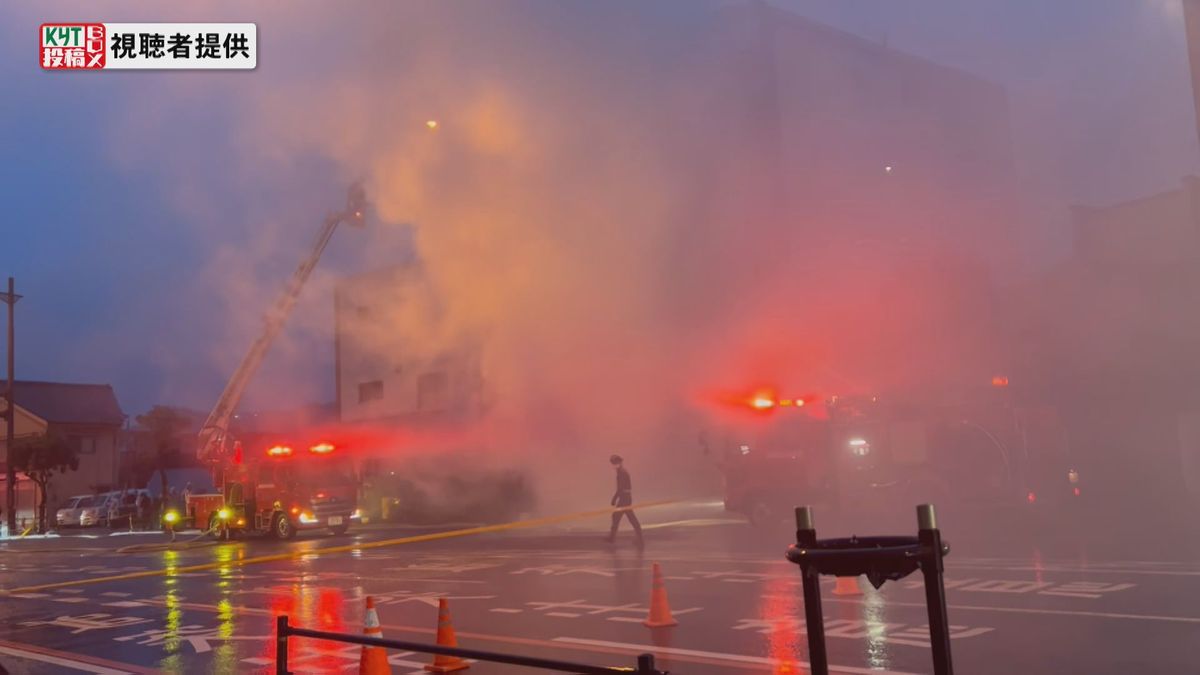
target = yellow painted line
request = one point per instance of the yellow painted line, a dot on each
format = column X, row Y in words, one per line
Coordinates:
column 415, row 539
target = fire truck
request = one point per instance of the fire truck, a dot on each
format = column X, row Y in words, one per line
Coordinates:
column 872, row 456
column 281, row 491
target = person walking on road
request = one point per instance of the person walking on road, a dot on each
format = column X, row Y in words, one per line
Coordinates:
column 184, row 507
column 142, row 506
column 623, row 499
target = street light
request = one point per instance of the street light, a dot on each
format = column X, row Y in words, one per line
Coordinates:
column 10, row 414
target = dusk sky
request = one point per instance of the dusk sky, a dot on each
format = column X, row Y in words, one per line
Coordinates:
column 148, row 222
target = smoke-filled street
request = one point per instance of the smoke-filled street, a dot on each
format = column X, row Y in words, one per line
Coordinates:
column 603, row 336
column 562, row 592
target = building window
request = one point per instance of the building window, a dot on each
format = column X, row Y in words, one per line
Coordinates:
column 370, row 391
column 432, row 390
column 82, row 445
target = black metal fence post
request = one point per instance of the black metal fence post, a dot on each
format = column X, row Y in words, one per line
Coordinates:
column 932, row 567
column 281, row 645
column 806, row 536
column 645, row 662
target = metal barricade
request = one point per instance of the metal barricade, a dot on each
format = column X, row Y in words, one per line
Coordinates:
column 880, row 559
column 284, row 630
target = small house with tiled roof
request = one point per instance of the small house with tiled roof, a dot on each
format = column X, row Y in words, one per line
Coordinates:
column 87, row 415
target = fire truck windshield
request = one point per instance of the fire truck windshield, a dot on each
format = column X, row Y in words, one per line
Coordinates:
column 794, row 436
column 323, row 473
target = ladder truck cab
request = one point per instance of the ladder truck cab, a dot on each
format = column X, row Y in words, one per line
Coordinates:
column 281, row 490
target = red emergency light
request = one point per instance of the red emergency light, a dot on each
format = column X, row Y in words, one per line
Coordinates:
column 279, row 451
column 762, row 403
column 322, row 448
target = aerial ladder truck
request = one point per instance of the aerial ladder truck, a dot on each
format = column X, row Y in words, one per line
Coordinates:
column 216, row 446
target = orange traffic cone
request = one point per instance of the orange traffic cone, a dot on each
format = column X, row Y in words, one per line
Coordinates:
column 660, row 609
column 847, row 586
column 373, row 660
column 445, row 638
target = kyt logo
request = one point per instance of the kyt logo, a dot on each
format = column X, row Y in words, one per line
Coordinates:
column 72, row 46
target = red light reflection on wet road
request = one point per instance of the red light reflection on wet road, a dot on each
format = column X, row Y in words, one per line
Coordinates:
column 780, row 606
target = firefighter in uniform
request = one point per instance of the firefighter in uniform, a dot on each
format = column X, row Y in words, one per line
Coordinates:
column 623, row 498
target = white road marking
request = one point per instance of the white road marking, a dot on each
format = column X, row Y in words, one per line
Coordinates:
column 1091, row 590
column 58, row 661
column 195, row 635
column 31, row 596
column 634, row 619
column 88, row 622
column 431, row 598
column 554, row 609
column 453, row 568
column 116, row 594
column 71, row 599
column 952, row 564
column 1050, row 612
column 1090, row 564
column 505, row 610
column 561, row 570
column 874, row 631
column 1086, row 589
column 1076, row 569
column 124, row 604
column 429, row 581
column 737, row 658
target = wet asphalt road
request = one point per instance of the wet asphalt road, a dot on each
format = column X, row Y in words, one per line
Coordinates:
column 1038, row 606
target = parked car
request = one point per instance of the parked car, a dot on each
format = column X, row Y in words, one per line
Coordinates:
column 122, row 511
column 72, row 510
column 93, row 511
column 104, row 504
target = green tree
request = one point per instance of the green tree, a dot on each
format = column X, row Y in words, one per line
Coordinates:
column 40, row 457
column 165, row 424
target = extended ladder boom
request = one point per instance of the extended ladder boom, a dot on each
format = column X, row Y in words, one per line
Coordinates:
column 216, row 427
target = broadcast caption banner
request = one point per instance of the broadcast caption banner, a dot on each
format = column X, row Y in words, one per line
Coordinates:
column 148, row 46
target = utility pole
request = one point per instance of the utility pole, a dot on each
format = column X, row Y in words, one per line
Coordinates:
column 10, row 416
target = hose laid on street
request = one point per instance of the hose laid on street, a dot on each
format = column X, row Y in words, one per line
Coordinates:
column 68, row 549
column 194, row 542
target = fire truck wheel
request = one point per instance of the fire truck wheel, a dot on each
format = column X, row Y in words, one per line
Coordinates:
column 282, row 528
column 340, row 529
